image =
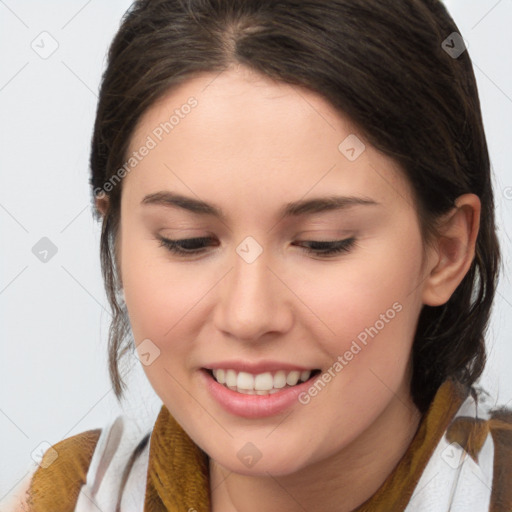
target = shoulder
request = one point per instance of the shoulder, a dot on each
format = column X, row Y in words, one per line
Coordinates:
column 483, row 429
column 480, row 419
column 58, row 477
column 470, row 467
column 90, row 466
column 499, row 421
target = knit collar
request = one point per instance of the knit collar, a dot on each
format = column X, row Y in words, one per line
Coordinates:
column 178, row 470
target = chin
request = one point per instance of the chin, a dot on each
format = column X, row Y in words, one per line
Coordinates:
column 264, row 466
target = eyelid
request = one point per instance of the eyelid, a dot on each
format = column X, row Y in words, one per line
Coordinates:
column 331, row 247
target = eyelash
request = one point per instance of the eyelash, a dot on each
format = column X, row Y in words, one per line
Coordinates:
column 329, row 248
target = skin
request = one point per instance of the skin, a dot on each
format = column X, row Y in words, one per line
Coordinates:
column 249, row 146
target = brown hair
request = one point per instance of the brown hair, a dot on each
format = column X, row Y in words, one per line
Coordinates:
column 383, row 65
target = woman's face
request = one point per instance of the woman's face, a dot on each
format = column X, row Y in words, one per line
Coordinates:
column 254, row 296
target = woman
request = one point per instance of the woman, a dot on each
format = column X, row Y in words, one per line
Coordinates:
column 298, row 233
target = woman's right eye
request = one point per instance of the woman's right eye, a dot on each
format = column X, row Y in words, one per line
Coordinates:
column 184, row 246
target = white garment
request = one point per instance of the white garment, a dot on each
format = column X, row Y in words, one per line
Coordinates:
column 451, row 481
column 114, row 448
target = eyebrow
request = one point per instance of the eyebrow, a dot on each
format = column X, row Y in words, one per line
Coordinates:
column 293, row 209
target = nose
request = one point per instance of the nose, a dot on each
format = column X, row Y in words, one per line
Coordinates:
column 253, row 300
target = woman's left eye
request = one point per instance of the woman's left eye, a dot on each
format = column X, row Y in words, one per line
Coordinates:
column 328, row 248
column 190, row 246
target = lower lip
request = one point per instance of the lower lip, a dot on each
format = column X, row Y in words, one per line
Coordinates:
column 254, row 406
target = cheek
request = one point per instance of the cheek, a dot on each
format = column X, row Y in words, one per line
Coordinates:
column 165, row 303
column 366, row 303
column 364, row 298
column 155, row 291
column 159, row 300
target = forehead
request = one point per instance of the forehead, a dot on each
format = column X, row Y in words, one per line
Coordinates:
column 249, row 107
column 248, row 134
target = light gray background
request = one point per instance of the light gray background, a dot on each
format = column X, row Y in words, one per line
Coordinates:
column 55, row 316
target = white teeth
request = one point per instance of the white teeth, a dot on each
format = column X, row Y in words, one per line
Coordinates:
column 245, row 381
column 220, row 375
column 292, row 378
column 304, row 376
column 261, row 384
column 231, row 378
column 280, row 379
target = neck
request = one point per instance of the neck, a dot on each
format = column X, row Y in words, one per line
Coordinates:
column 340, row 483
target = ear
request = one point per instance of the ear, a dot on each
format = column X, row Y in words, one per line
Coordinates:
column 455, row 250
column 102, row 204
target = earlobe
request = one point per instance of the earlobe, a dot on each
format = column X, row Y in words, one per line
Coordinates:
column 102, row 204
column 455, row 250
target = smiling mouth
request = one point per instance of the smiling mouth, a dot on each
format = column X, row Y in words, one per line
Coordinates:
column 266, row 383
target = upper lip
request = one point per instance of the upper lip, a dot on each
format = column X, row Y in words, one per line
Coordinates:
column 256, row 368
